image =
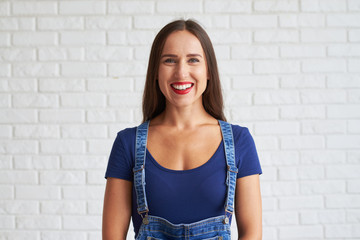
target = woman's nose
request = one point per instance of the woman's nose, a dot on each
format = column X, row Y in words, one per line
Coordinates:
column 182, row 70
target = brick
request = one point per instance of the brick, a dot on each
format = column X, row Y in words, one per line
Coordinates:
column 34, row 39
column 343, row 81
column 96, row 116
column 284, row 188
column 36, row 162
column 62, row 177
column 276, row 36
column 95, row 207
column 62, row 146
column 324, row 65
column 254, row 82
column 29, row 235
column 25, row 100
column 228, row 37
column 35, row 69
column 5, row 101
column 83, row 69
column 139, row 37
column 17, row 54
column 235, row 67
column 116, row 38
column 266, row 143
column 108, row 53
column 253, row 21
column 308, row 217
column 19, row 146
column 214, row 21
column 254, row 113
column 280, row 218
column 254, row 52
column 354, row 96
column 323, row 35
column 222, row 52
column 312, row 172
column 331, row 216
column 84, row 131
column 322, row 187
column 5, row 70
column 302, row 142
column 269, row 204
column 342, row 50
column 302, row 51
column 353, row 156
column 276, row 66
column 7, row 192
column 76, row 100
column 342, row 201
column 271, row 173
column 227, row 6
column 60, row 54
column 111, row 85
column 323, row 5
column 95, row 177
column 302, row 112
column 278, row 127
column 194, row 6
column 108, row 22
column 354, row 35
column 302, row 20
column 83, row 38
column 276, row 6
column 82, row 7
column 34, row 8
column 353, row 186
column 61, row 85
column 141, row 53
column 237, row 98
column 5, row 162
column 354, row 65
column 4, row 8
column 354, row 126
column 323, row 126
column 59, row 235
column 61, row 116
column 352, row 215
column 83, row 162
column 4, row 39
column 338, row 231
column 354, row 5
column 321, row 157
column 343, row 20
column 9, row 24
column 116, row 100
column 37, row 192
column 288, row 173
column 15, row 177
column 323, row 96
column 348, row 171
column 19, row 207
column 7, row 222
column 99, row 146
column 86, row 192
column 301, row 232
column 38, row 222
column 343, row 142
column 151, row 22
column 127, row 68
column 282, row 97
column 301, row 202
column 60, row 23
column 303, row 81
column 22, row 85
column 131, row 7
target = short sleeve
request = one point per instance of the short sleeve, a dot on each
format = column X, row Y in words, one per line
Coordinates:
column 245, row 152
column 119, row 165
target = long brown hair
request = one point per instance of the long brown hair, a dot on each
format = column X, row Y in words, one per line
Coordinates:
column 154, row 101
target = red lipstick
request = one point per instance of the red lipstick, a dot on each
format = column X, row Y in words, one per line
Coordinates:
column 178, row 87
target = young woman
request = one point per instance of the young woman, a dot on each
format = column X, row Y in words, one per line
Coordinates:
column 184, row 171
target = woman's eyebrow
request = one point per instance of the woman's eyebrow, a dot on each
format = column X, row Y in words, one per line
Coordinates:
column 189, row 55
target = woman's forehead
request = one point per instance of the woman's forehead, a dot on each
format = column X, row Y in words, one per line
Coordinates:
column 181, row 41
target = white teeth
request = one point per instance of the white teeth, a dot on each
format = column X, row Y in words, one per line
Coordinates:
column 181, row 87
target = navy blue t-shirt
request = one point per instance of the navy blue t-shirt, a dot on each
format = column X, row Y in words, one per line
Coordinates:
column 183, row 196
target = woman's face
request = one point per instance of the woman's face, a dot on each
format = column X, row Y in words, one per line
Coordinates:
column 183, row 70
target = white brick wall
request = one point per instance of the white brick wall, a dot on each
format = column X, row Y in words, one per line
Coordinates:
column 72, row 74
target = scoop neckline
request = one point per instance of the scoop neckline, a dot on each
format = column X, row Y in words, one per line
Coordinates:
column 187, row 170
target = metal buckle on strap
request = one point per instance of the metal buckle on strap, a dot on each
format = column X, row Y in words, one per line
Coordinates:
column 140, row 169
column 232, row 169
column 145, row 219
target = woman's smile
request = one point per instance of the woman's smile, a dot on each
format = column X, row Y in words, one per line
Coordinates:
column 182, row 87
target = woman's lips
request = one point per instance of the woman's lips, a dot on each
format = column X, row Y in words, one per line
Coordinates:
column 182, row 87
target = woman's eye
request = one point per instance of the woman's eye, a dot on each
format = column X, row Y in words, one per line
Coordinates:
column 193, row 60
column 170, row 60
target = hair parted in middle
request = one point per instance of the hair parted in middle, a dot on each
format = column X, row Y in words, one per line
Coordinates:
column 154, row 101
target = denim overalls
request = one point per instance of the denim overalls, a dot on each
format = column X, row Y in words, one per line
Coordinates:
column 153, row 227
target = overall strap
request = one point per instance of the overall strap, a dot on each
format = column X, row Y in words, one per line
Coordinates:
column 231, row 166
column 139, row 169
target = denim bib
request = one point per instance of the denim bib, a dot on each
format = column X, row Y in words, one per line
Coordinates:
column 154, row 227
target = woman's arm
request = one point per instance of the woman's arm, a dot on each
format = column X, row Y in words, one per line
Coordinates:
column 117, row 209
column 248, row 209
